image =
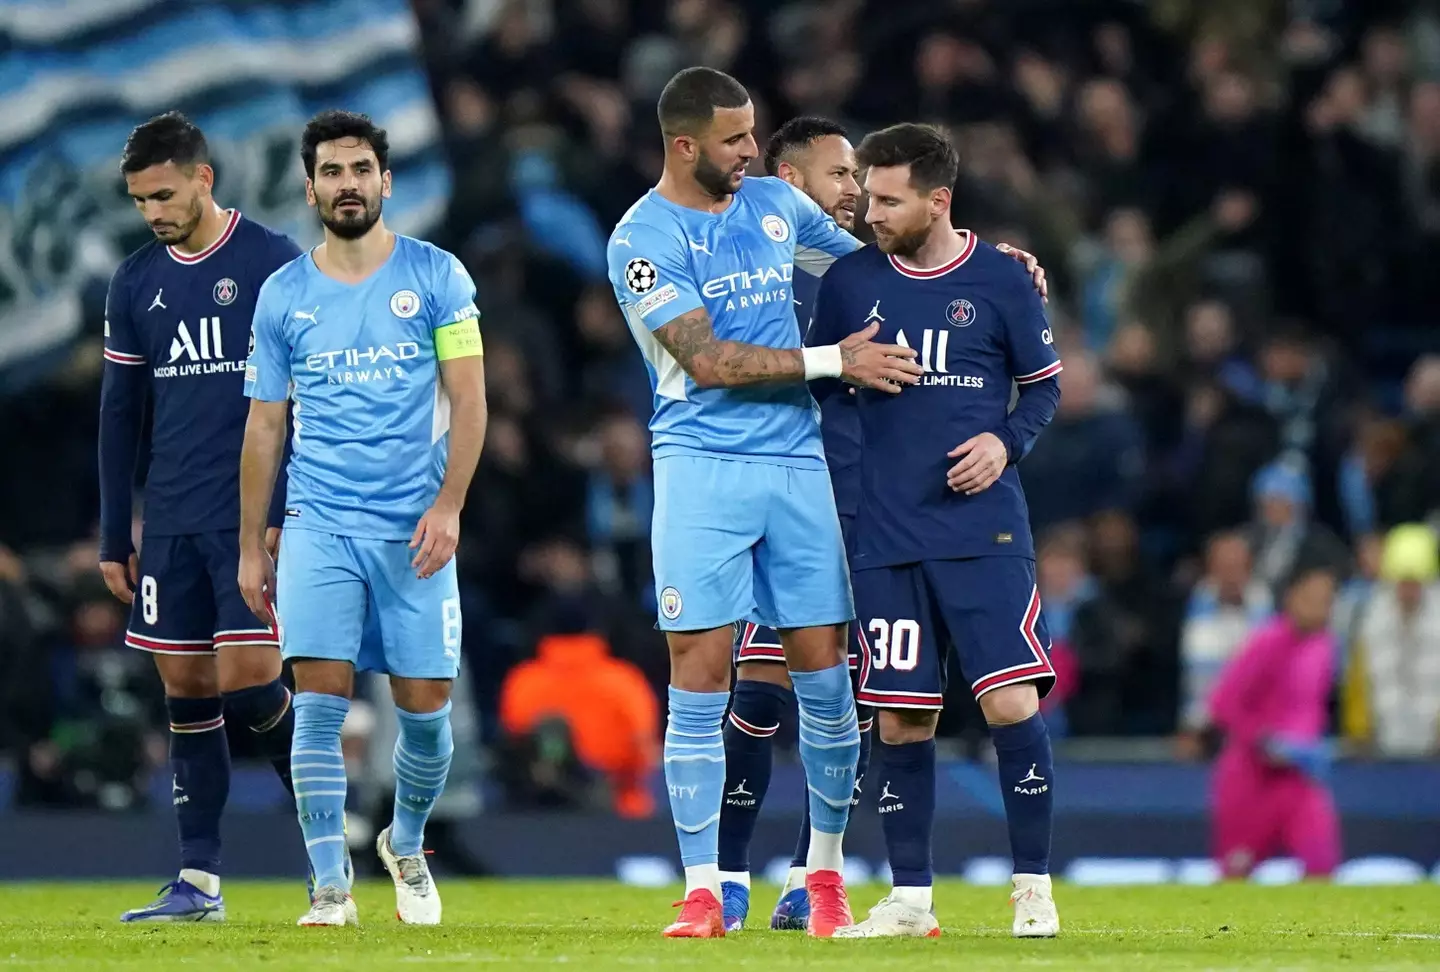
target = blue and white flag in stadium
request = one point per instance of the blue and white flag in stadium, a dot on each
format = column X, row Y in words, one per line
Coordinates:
column 78, row 75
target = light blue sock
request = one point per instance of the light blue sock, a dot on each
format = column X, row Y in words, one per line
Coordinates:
column 318, row 769
column 695, row 771
column 422, row 761
column 829, row 744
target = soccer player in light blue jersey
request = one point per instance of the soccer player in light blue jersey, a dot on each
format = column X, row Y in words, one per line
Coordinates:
column 375, row 338
column 745, row 519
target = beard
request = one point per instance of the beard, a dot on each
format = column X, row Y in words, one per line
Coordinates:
column 905, row 244
column 174, row 234
column 714, row 180
column 350, row 224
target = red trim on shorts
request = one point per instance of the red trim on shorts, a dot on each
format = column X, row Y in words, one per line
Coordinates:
column 168, row 646
column 1030, row 671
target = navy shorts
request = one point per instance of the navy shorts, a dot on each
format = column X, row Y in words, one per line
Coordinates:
column 761, row 643
column 188, row 600
column 985, row 609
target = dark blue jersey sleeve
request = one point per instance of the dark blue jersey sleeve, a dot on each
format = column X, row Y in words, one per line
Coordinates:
column 1033, row 363
column 122, row 408
column 283, row 251
column 826, row 328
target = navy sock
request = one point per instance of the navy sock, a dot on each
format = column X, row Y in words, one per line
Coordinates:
column 200, row 762
column 266, row 711
column 866, row 717
column 755, row 712
column 906, row 776
column 1027, row 772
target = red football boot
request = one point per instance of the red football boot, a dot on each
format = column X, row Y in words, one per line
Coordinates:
column 829, row 907
column 701, row 916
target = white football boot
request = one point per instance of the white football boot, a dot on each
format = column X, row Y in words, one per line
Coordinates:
column 417, row 901
column 331, row 907
column 892, row 918
column 1035, row 914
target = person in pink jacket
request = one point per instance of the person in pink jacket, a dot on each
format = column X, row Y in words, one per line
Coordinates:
column 1270, row 707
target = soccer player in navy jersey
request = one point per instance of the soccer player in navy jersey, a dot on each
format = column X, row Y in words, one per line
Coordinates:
column 944, row 560
column 177, row 328
column 815, row 156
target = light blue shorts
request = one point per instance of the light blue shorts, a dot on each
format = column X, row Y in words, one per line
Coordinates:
column 358, row 600
column 737, row 540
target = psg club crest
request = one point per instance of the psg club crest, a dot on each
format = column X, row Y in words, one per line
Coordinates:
column 775, row 228
column 225, row 291
column 960, row 313
column 405, row 304
column 670, row 603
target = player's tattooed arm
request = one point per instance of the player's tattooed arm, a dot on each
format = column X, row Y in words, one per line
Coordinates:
column 713, row 363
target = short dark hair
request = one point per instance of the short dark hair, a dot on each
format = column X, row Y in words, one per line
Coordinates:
column 927, row 150
column 795, row 134
column 334, row 124
column 170, row 137
column 690, row 98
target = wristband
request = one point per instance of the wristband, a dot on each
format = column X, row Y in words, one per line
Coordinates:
column 823, row 362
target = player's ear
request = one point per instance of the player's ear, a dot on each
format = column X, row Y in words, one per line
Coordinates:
column 309, row 191
column 940, row 201
column 790, row 174
column 385, row 184
column 205, row 174
column 686, row 147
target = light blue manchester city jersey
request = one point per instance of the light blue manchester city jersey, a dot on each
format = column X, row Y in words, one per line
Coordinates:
column 667, row 260
column 358, row 360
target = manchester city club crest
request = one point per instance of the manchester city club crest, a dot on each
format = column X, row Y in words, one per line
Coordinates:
column 775, row 227
column 960, row 313
column 405, row 304
column 670, row 603
column 225, row 291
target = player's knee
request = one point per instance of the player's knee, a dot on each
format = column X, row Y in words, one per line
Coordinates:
column 770, row 672
column 420, row 695
column 187, row 677
column 700, row 661
column 815, row 649
column 247, row 666
column 1010, row 704
column 324, row 677
column 901, row 726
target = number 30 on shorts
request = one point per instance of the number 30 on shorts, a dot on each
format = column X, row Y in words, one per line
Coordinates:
column 894, row 644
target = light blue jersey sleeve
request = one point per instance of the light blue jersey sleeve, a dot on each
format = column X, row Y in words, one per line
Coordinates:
column 819, row 240
column 651, row 275
column 452, row 297
column 267, row 366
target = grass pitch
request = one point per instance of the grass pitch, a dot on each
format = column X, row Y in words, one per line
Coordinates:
column 600, row 925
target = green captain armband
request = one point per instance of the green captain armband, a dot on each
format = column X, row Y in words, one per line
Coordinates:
column 459, row 340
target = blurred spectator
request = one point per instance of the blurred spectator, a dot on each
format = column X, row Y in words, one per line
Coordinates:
column 1065, row 583
column 1124, row 640
column 1224, row 607
column 606, row 704
column 1283, row 534
column 1091, row 457
column 620, row 503
column 1271, row 706
column 1399, row 646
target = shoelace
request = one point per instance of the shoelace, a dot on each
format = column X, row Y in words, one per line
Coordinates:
column 413, row 873
column 692, row 909
column 831, row 906
column 329, row 896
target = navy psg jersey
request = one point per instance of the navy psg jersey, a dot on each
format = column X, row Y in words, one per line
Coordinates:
column 839, row 419
column 979, row 328
column 177, row 327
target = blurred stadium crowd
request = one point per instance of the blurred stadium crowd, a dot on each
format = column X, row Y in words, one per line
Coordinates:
column 1237, row 201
